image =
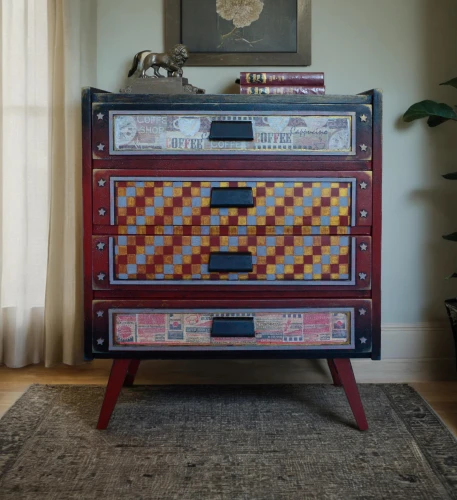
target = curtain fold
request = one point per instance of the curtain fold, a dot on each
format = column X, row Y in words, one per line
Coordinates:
column 44, row 59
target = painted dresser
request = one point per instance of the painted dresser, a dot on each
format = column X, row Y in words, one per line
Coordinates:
column 231, row 226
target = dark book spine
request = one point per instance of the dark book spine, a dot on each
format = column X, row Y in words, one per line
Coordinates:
column 282, row 78
column 282, row 90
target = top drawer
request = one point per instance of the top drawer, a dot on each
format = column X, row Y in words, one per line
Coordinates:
column 343, row 131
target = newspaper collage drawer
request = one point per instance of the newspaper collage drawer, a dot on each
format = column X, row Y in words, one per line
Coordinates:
column 340, row 325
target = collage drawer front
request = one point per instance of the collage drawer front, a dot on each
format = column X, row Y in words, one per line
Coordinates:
column 123, row 200
column 331, row 325
column 341, row 131
column 336, row 260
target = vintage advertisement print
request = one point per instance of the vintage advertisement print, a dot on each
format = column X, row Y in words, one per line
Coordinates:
column 154, row 133
column 299, row 328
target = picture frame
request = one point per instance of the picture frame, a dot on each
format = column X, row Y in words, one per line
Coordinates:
column 218, row 45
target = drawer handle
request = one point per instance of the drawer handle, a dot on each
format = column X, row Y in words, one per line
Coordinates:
column 220, row 262
column 233, row 327
column 232, row 197
column 231, row 131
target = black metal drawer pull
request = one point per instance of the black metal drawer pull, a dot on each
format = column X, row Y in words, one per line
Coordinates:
column 233, row 327
column 232, row 197
column 231, row 131
column 230, row 262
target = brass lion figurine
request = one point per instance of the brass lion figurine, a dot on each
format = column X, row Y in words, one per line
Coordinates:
column 172, row 61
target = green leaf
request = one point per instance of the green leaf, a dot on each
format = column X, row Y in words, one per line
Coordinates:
column 452, row 176
column 452, row 83
column 453, row 275
column 437, row 112
column 450, row 237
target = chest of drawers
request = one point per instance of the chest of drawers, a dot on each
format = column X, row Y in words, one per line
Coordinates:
column 226, row 226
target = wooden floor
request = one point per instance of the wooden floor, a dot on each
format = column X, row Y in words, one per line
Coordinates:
column 442, row 396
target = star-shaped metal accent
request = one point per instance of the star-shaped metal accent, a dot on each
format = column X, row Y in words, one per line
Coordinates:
column 363, row 276
column 101, row 211
column 363, row 147
column 100, row 246
column 363, row 340
column 363, row 214
column 363, row 247
column 102, row 182
column 101, row 276
column 101, row 115
column 362, row 311
column 100, row 341
column 100, row 147
column 363, row 185
column 363, row 118
column 100, row 314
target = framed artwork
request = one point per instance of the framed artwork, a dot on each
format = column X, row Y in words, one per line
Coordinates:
column 241, row 32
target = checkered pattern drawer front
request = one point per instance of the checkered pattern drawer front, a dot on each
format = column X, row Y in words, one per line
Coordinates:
column 162, row 260
column 130, row 201
column 336, row 324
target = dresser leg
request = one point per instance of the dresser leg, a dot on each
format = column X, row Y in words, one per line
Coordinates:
column 131, row 374
column 334, row 372
column 346, row 376
column 115, row 382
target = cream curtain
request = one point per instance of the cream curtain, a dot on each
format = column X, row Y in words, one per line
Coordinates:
column 47, row 54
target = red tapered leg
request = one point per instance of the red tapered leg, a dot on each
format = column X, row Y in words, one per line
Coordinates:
column 334, row 372
column 133, row 368
column 346, row 375
column 115, row 382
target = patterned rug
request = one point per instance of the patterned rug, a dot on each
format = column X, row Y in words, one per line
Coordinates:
column 225, row 442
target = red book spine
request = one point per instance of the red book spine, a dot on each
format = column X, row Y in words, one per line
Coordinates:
column 282, row 78
column 281, row 90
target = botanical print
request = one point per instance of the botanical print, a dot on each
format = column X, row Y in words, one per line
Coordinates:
column 228, row 26
column 242, row 13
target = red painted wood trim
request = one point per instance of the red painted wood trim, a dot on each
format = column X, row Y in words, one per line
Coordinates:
column 377, row 220
column 132, row 371
column 87, row 215
column 113, row 389
column 346, row 375
column 334, row 373
column 173, row 163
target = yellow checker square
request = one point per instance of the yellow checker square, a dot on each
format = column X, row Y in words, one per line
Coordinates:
column 123, row 229
column 121, row 191
column 131, row 259
column 325, row 211
column 131, row 220
column 187, row 184
column 122, row 269
column 131, row 201
column 140, row 211
column 325, row 250
column 168, row 259
column 271, row 269
column 344, row 211
column 299, row 259
column 187, row 220
column 187, row 201
column 187, row 259
column 140, row 250
column 259, row 202
column 343, row 268
column 195, row 191
column 121, row 212
column 168, row 183
column 316, row 221
column 344, row 250
column 149, row 184
column 344, row 192
column 139, row 192
column 334, row 259
column 168, row 201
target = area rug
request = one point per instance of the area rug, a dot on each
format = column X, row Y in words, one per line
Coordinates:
column 225, row 442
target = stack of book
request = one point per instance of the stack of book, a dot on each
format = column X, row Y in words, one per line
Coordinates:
column 282, row 83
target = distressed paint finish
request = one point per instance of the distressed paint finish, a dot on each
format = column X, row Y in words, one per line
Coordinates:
column 320, row 261
column 283, row 346
column 229, row 108
column 365, row 167
column 304, row 203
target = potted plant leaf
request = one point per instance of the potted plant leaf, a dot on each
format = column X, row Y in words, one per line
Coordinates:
column 436, row 114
